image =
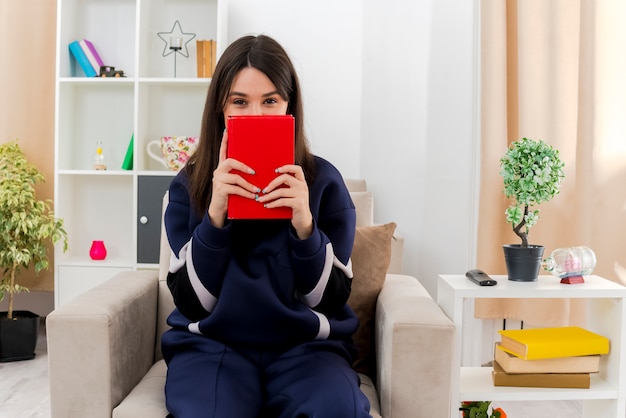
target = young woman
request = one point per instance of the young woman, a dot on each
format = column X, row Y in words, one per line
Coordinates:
column 261, row 326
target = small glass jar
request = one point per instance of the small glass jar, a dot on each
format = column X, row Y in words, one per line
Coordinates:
column 99, row 163
column 570, row 262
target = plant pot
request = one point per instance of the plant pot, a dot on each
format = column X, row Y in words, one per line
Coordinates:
column 18, row 337
column 523, row 264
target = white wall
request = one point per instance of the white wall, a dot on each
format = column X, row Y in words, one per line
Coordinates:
column 419, row 133
column 323, row 39
column 391, row 96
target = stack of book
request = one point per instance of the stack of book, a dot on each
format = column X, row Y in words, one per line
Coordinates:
column 86, row 55
column 206, row 51
column 561, row 357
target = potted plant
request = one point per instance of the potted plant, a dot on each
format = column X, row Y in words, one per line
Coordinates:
column 479, row 409
column 532, row 172
column 26, row 225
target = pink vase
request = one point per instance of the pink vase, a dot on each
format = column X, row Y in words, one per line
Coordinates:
column 98, row 251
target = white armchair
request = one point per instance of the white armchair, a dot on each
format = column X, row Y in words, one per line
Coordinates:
column 105, row 354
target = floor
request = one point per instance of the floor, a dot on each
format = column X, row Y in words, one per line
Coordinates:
column 24, row 392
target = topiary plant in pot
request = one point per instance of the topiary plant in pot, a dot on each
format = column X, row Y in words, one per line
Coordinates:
column 26, row 226
column 532, row 172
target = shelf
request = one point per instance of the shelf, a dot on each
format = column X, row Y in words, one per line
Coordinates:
column 110, row 25
column 157, row 173
column 96, row 80
column 85, row 261
column 605, row 314
column 166, row 109
column 96, row 173
column 92, row 112
column 97, row 206
column 132, row 80
column 476, row 384
column 544, row 287
column 176, row 81
column 155, row 99
column 199, row 17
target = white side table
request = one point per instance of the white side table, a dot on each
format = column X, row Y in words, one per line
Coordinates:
column 606, row 315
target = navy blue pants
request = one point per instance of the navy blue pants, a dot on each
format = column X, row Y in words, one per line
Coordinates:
column 207, row 379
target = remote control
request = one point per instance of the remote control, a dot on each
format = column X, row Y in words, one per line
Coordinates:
column 480, row 278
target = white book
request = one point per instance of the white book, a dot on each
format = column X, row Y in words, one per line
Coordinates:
column 92, row 59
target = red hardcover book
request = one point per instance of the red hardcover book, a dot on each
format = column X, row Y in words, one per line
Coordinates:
column 264, row 143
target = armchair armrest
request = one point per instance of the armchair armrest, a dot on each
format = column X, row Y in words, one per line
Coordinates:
column 414, row 346
column 101, row 344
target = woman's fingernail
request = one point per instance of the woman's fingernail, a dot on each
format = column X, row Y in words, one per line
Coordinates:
column 251, row 171
column 256, row 197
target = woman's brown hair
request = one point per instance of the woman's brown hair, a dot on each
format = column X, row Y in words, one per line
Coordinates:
column 266, row 55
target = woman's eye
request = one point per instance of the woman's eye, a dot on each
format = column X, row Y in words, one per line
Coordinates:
column 271, row 101
column 239, row 102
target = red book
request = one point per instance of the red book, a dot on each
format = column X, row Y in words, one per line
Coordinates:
column 264, row 143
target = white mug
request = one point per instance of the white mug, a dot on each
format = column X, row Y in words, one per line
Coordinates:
column 174, row 150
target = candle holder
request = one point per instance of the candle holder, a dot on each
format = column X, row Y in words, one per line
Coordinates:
column 176, row 42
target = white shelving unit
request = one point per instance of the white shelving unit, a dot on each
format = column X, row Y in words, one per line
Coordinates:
column 606, row 315
column 148, row 103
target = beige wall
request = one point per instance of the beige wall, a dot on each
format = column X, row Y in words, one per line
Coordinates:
column 27, row 72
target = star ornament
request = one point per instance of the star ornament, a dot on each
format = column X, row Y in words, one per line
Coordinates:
column 176, row 32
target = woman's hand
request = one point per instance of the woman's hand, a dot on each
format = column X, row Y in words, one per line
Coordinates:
column 290, row 190
column 227, row 181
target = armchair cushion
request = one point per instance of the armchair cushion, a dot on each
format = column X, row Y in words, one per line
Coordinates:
column 364, row 204
column 370, row 259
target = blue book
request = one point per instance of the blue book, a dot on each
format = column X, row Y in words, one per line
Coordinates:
column 81, row 59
